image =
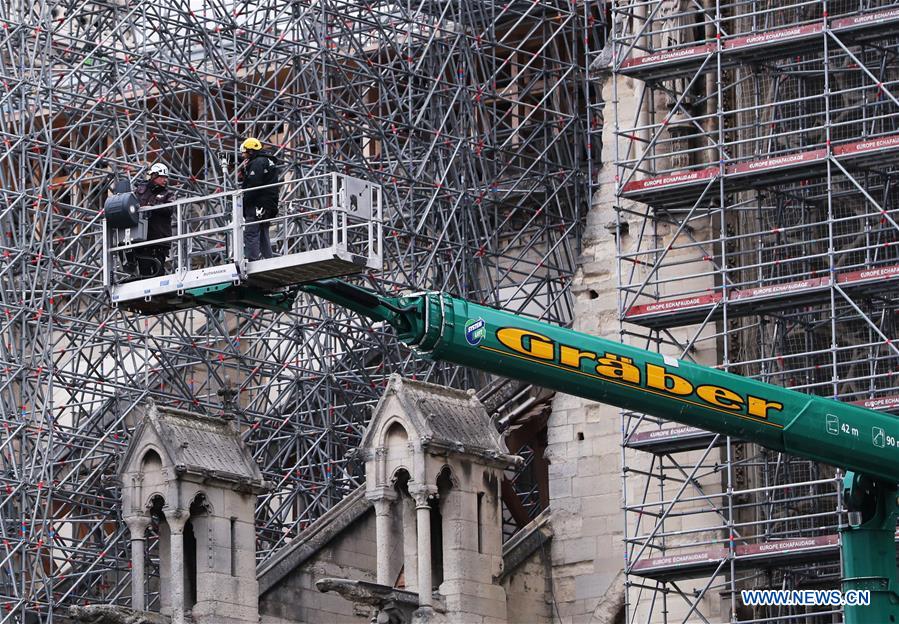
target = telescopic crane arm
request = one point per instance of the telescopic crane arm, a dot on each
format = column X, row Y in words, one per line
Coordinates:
column 454, row 330
column 450, row 329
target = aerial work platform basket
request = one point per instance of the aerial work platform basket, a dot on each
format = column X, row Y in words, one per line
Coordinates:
column 328, row 225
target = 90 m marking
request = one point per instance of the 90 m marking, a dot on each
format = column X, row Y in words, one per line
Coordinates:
column 881, row 439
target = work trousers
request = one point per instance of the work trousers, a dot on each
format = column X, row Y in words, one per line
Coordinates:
column 257, row 243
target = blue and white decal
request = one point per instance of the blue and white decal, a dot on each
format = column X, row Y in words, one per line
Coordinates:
column 475, row 330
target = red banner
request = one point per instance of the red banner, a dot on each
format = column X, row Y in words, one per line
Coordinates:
column 668, row 55
column 774, row 36
column 788, row 545
column 871, row 145
column 777, row 289
column 887, row 272
column 666, row 434
column 880, row 404
column 670, row 179
column 675, row 304
column 685, row 559
column 778, row 162
column 797, row 545
column 864, row 20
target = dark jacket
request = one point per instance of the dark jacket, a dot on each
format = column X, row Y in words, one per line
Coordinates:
column 159, row 223
column 259, row 170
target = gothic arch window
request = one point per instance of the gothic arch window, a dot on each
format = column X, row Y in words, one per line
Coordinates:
column 445, row 483
column 405, row 529
column 396, row 435
column 150, row 461
column 197, row 527
column 396, row 444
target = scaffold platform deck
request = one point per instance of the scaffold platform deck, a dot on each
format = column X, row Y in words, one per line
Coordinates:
column 691, row 310
column 759, row 46
column 672, row 440
column 304, row 267
column 684, row 188
column 794, row 551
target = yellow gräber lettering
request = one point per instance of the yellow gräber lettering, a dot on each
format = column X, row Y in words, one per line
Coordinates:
column 526, row 342
column 722, row 397
column 759, row 407
column 621, row 368
column 618, row 367
column 571, row 356
column 660, row 379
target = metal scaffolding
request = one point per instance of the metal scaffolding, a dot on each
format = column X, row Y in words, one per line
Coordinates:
column 757, row 222
column 467, row 113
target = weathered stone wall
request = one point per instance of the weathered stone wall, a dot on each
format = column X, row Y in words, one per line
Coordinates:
column 295, row 600
column 584, row 438
column 528, row 596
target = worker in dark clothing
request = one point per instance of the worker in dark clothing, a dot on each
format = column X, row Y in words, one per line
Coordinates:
column 149, row 260
column 258, row 169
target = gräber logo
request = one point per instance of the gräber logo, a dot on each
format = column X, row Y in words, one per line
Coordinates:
column 475, row 332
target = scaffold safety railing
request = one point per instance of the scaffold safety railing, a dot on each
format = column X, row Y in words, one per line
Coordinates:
column 330, row 226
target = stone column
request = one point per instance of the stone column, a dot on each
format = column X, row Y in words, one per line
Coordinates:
column 423, row 523
column 384, row 536
column 137, row 526
column 381, row 463
column 460, row 535
column 176, row 561
column 410, row 544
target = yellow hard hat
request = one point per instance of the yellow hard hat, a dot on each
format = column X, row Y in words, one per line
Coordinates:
column 250, row 143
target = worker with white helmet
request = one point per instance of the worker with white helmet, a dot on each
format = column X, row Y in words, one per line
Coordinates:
column 149, row 260
column 259, row 169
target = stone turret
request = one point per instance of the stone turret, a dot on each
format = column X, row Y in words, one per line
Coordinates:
column 434, row 463
column 193, row 475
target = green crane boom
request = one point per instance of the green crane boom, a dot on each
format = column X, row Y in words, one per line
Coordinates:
column 866, row 442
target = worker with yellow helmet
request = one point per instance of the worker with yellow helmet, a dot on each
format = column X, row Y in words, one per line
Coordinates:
column 259, row 169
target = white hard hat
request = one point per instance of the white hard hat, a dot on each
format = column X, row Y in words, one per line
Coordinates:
column 159, row 169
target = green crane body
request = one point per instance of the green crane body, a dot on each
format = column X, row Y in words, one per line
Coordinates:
column 856, row 439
